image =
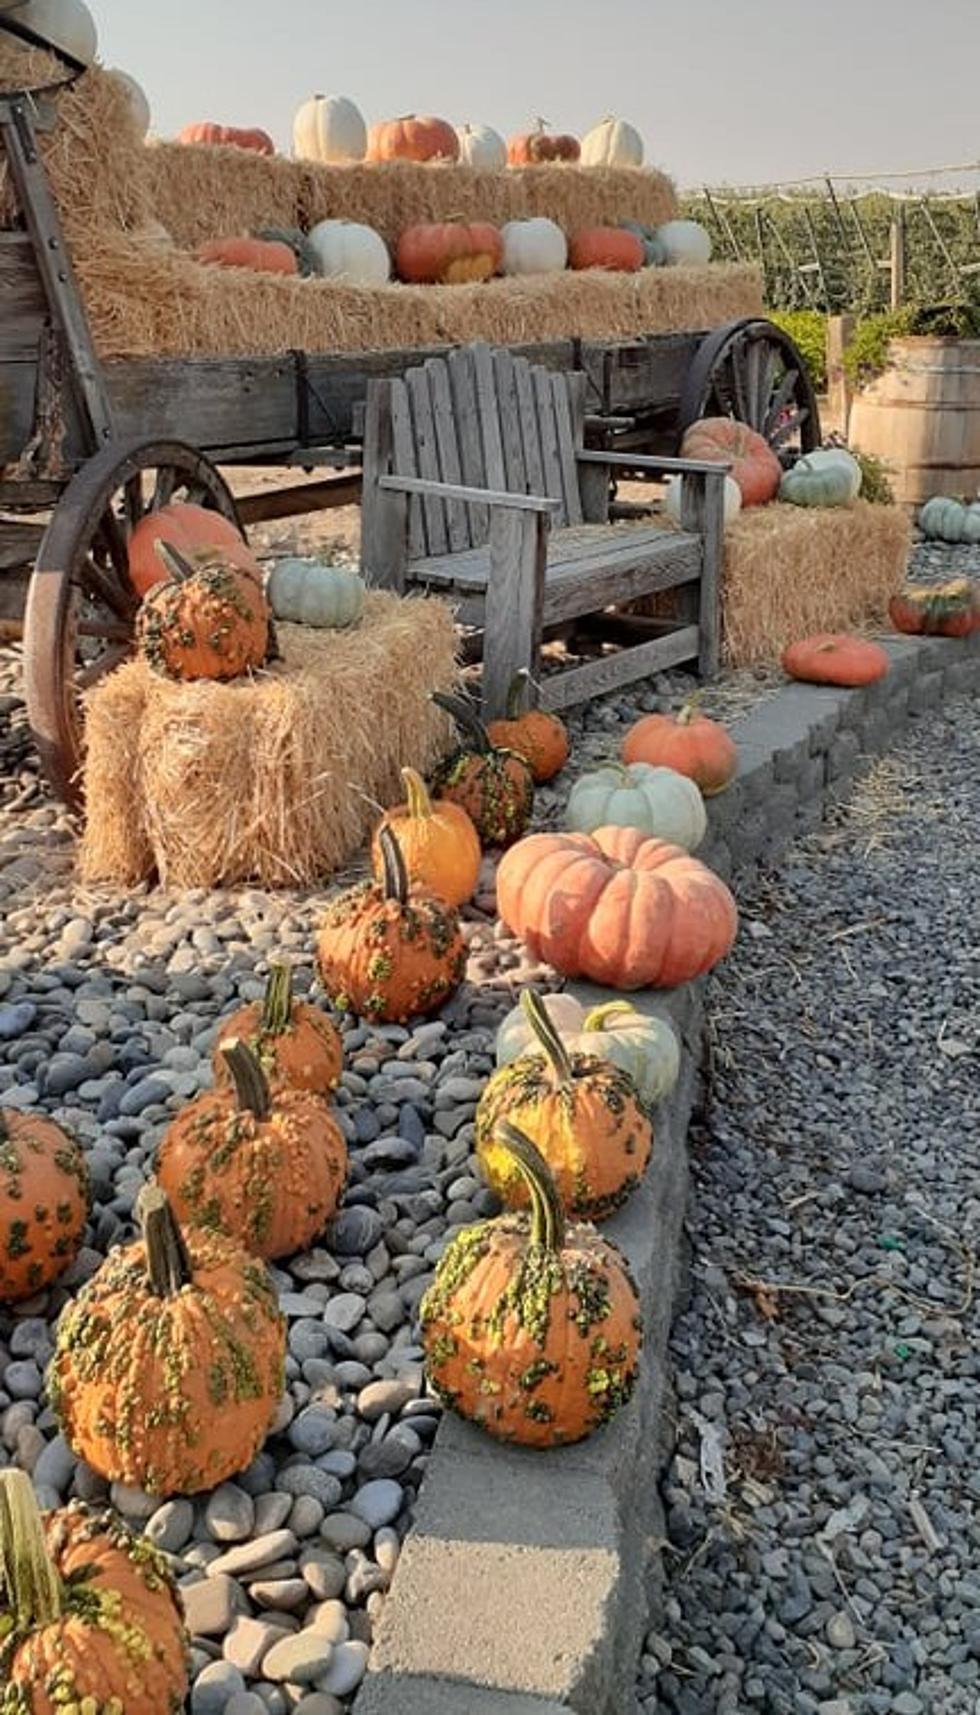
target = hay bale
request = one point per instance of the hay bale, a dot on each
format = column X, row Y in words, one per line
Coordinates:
column 201, row 191
column 95, row 159
column 276, row 778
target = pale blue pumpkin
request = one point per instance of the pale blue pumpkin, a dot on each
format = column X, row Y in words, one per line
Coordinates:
column 943, row 519
column 828, row 477
column 308, row 592
column 654, row 249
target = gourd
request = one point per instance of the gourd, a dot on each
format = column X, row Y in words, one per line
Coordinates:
column 532, row 148
column 264, row 1166
column 386, row 950
column 261, row 255
column 495, row 787
column 687, row 741
column 190, row 529
column 449, row 253
column 835, row 658
column 413, row 137
column 645, row 1047
column 654, row 251
column 535, row 734
column 67, row 26
column 308, row 592
column 295, row 1044
column 581, row 1111
column 612, row 143
column 674, row 499
column 686, row 244
column 296, row 240
column 90, row 1618
column 638, row 795
column 535, row 246
column 347, row 251
column 136, row 100
column 943, row 520
column 230, row 136
column 621, row 909
column 44, row 1199
column 168, row 1365
column 829, row 477
column 609, row 247
column 936, row 610
column 481, row 146
column 438, row 842
column 207, row 620
column 329, row 129
column 531, row 1329
column 754, row 465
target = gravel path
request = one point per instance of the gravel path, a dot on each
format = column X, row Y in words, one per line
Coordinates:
column 829, row 1349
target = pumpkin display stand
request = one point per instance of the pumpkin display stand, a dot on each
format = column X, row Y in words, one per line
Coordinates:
column 273, row 778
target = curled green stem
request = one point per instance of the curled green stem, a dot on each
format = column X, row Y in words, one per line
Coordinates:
column 277, row 1004
column 251, row 1087
column 547, row 1036
column 168, row 1265
column 30, row 1588
column 547, row 1214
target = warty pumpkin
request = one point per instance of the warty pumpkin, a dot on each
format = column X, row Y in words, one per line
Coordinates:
column 536, row 734
column 207, row 620
column 296, row 1045
column 44, row 1199
column 835, row 658
column 531, row 148
column 439, row 845
column 90, row 1618
column 531, row 1328
column 581, row 1111
column 264, row 256
column 936, row 610
column 754, row 465
column 449, row 253
column 689, row 742
column 638, row 795
column 642, row 1045
column 190, row 529
column 609, row 247
column 168, row 1366
column 386, row 950
column 413, row 137
column 495, row 787
column 231, row 136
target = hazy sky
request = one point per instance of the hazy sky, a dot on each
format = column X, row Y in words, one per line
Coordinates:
column 722, row 90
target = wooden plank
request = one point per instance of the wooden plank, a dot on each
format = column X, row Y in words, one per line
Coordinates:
column 509, row 502
column 653, row 462
column 633, row 374
column 510, row 423
column 513, row 605
column 703, row 511
column 550, row 456
column 579, row 684
column 427, row 459
column 302, row 497
column 384, row 522
column 19, row 543
column 572, row 559
column 462, row 383
column 587, row 590
column 489, row 417
column 403, row 461
column 18, row 384
column 447, row 447
column 214, row 403
column 561, row 385
column 530, row 432
column 22, row 296
column 593, row 482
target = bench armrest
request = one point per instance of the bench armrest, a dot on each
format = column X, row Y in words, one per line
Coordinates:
column 459, row 491
column 644, row 461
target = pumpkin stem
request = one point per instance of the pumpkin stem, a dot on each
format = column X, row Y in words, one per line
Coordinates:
column 29, row 1582
column 519, row 694
column 417, row 794
column 251, row 1088
column 547, row 1214
column 168, row 1265
column 688, row 710
column 277, row 1004
column 395, row 876
column 4, row 1128
column 596, row 1019
column 466, row 718
column 173, row 562
column 539, row 1019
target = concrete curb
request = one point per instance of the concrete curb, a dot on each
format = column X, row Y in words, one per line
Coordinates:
column 523, row 1586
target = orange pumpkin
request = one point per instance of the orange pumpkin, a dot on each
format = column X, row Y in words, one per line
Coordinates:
column 539, row 737
column 438, row 842
column 835, row 658
column 582, row 1112
column 266, row 1167
column 754, row 466
column 609, row 247
column 263, row 255
column 44, row 1200
column 451, row 254
column 232, row 136
column 936, row 610
column 495, row 787
column 617, row 907
column 689, row 743
column 188, row 528
column 90, row 1618
column 531, row 148
column 168, row 1366
column 295, row 1044
column 207, row 620
column 532, row 1329
column 413, row 137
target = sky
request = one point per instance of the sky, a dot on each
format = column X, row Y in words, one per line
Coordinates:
column 723, row 91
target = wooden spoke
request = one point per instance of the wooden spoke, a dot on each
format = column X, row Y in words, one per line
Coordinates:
column 105, row 630
column 163, row 489
column 752, row 371
column 104, row 664
column 103, row 587
column 133, row 499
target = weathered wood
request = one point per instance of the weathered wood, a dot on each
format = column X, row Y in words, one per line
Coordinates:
column 703, row 514
column 486, row 399
column 587, row 589
column 839, row 332
column 458, row 491
column 322, row 496
column 508, row 415
column 213, row 403
column 22, row 297
column 427, row 459
column 579, row 684
column 620, row 377
column 384, row 538
column 404, row 461
column 671, row 466
column 590, row 560
column 462, row 383
column 450, row 469
column 550, row 455
column 514, row 602
column 530, row 428
column 561, row 387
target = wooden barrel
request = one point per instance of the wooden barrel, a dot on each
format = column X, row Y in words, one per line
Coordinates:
column 922, row 417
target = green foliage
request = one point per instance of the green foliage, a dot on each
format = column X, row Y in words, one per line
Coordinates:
column 875, row 484
column 808, row 331
column 866, row 355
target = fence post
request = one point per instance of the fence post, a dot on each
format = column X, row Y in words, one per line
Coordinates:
column 897, row 260
column 839, row 331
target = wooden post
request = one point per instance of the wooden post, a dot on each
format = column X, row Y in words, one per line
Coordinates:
column 703, row 513
column 897, row 260
column 839, row 331
column 514, row 602
column 384, row 514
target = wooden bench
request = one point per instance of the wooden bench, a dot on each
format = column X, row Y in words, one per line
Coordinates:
column 478, row 486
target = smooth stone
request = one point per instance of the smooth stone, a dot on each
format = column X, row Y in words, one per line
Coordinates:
column 347, row 1668
column 378, row 1502
column 363, row 1578
column 343, row 1531
column 387, row 1310
column 840, row 1630
column 345, row 1311
column 246, row 1703
column 55, row 1466
column 391, row 1456
column 210, row 1605
column 16, row 1019
column 312, row 1431
column 350, row 1373
column 147, row 1093
column 324, row 1573
column 214, row 1688
column 133, row 1503
column 248, row 1642
column 300, row 1660
column 284, row 1594
column 171, row 1525
column 330, row 1620
column 64, row 1072
column 248, row 1556
column 230, row 1514
column 355, row 1231
column 306, row 1516
column 271, row 1511
column 308, row 1480
column 339, row 1462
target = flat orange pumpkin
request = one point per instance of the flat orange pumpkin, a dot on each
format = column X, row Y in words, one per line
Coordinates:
column 689, row 743
column 754, row 466
column 836, row 658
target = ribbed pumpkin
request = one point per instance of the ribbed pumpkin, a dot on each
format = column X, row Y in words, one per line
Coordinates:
column 413, row 137
column 438, row 842
column 688, row 742
column 583, row 1113
column 937, row 610
column 190, row 529
column 230, row 136
column 541, row 738
column 449, row 253
column 637, row 795
column 609, row 247
column 207, row 620
column 43, row 1202
column 297, row 241
column 755, row 467
column 386, row 950
column 262, row 255
column 494, row 787
column 532, row 148
column 531, row 1329
column 90, row 1618
column 265, row 1167
column 296, row 1045
column 168, row 1367
column 644, row 1046
column 836, row 658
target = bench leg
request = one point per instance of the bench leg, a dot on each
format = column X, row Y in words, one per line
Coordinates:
column 514, row 602
column 703, row 512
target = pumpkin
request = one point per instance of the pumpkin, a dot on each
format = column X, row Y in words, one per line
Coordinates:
column 413, row 137
column 295, row 1044
column 645, row 1047
column 208, row 620
column 354, row 254
column 654, row 253
column 943, row 520
column 188, row 528
column 296, row 240
column 609, row 247
column 67, row 26
column 531, row 148
column 495, row 787
column 688, row 742
column 539, row 737
column 388, row 951
column 686, row 244
column 90, row 1618
column 755, row 466
column 266, row 1167
column 535, row 246
column 835, row 658
column 481, row 146
column 307, row 592
column 452, row 253
column 261, row 255
column 621, row 909
column 168, row 1365
column 438, row 842
column 233, row 136
column 136, row 101
column 637, row 794
column 531, row 1329
column 44, row 1199
column 612, row 143
column 674, row 500
column 936, row 610
column 822, row 478
column 329, row 129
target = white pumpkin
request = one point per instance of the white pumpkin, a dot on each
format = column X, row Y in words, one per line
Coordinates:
column 686, row 243
column 657, row 801
column 308, row 592
column 612, row 143
column 349, row 252
column 65, row 25
column 647, row 1048
column 535, row 246
column 329, row 129
column 674, row 494
column 136, row 99
column 481, row 146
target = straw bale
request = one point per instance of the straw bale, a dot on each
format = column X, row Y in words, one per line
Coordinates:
column 276, row 778
column 202, row 191
column 95, row 159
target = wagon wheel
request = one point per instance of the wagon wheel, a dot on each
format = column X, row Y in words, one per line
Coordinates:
column 752, row 371
column 78, row 621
